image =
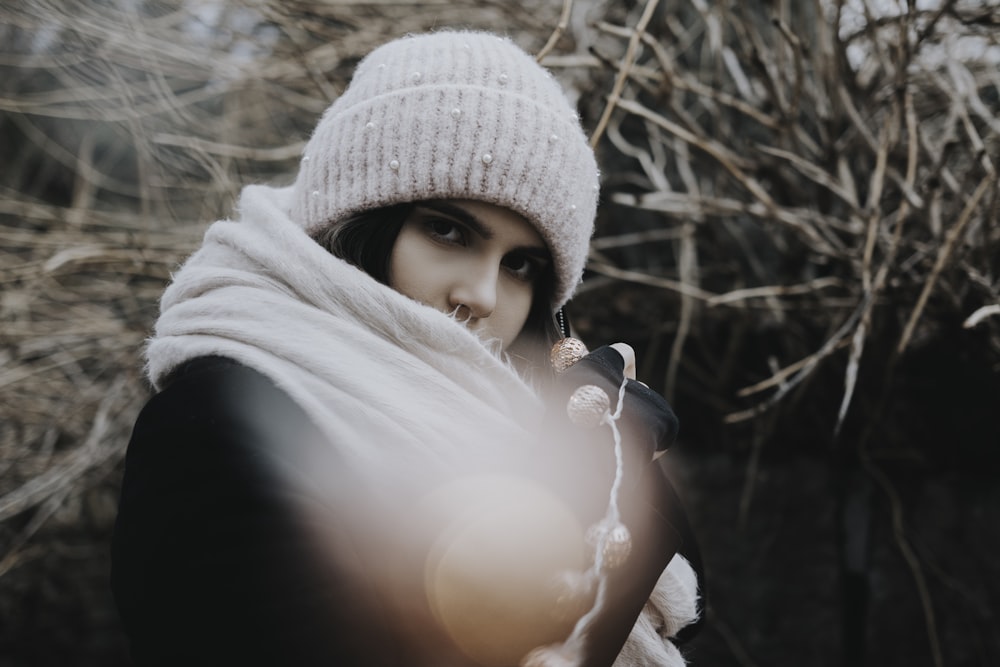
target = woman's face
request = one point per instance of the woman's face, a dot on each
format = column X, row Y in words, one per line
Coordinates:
column 478, row 260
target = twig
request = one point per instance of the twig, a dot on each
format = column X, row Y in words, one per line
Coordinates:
column 954, row 234
column 805, row 368
column 899, row 534
column 873, row 289
column 635, row 238
column 739, row 295
column 813, row 173
column 688, row 268
column 981, row 314
column 276, row 154
column 623, row 71
column 646, row 279
column 567, row 9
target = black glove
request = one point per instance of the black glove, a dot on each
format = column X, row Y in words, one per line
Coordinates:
column 649, row 505
column 647, row 417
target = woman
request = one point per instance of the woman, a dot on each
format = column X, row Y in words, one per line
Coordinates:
column 359, row 453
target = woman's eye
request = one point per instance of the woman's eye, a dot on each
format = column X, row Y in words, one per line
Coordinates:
column 446, row 231
column 522, row 267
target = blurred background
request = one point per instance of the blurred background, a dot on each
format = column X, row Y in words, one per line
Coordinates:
column 799, row 233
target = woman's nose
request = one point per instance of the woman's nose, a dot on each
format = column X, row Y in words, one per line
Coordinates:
column 477, row 291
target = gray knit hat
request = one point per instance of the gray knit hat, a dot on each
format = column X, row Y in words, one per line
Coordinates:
column 462, row 115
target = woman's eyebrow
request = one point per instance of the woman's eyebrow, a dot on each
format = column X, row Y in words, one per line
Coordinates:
column 461, row 215
column 478, row 227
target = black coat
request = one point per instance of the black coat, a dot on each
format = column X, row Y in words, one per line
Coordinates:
column 214, row 562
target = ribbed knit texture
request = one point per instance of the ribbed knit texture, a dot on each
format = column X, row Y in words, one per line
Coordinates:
column 456, row 115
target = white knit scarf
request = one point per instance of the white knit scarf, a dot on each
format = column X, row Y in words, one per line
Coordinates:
column 390, row 382
column 368, row 364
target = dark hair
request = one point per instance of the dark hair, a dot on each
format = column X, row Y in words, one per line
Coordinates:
column 365, row 239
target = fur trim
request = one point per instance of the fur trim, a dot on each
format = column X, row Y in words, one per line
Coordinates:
column 672, row 605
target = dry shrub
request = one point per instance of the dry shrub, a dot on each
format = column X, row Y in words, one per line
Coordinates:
column 801, row 237
column 818, row 183
column 797, row 221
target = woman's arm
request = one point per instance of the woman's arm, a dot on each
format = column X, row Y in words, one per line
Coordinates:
column 214, row 563
column 649, row 505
